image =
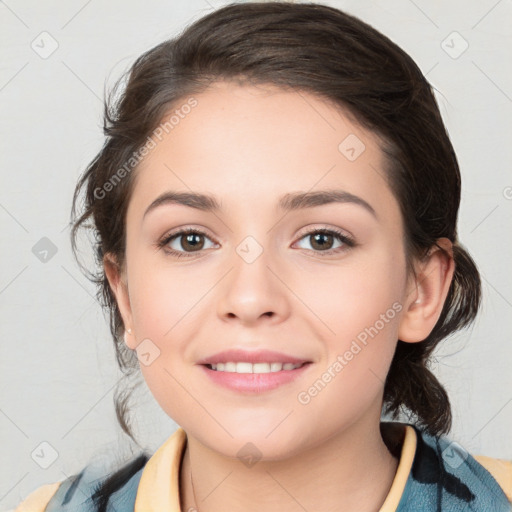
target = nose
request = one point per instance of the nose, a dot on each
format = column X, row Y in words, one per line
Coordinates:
column 253, row 291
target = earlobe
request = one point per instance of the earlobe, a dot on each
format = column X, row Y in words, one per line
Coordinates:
column 129, row 341
column 120, row 290
column 430, row 286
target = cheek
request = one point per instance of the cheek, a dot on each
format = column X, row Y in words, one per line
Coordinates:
column 352, row 297
column 166, row 307
column 164, row 300
column 357, row 359
column 359, row 308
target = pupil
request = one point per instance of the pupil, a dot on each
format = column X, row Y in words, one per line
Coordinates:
column 321, row 236
column 189, row 239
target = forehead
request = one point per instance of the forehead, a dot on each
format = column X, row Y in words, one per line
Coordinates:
column 251, row 145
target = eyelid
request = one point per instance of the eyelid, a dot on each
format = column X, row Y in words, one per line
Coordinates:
column 181, row 231
column 348, row 241
column 324, row 227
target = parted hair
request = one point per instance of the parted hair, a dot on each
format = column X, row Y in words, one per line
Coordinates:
column 343, row 61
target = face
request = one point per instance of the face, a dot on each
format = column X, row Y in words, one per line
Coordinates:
column 259, row 273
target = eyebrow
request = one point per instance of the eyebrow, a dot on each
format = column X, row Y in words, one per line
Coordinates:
column 289, row 202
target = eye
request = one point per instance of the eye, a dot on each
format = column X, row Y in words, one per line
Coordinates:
column 322, row 241
column 182, row 242
column 186, row 242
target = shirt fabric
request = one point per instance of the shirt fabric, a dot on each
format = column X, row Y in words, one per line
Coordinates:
column 433, row 475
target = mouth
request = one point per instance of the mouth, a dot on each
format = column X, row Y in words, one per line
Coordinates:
column 252, row 371
column 244, row 367
column 243, row 377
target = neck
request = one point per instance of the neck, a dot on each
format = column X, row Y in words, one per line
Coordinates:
column 351, row 471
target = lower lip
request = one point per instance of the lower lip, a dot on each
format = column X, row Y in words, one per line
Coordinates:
column 254, row 382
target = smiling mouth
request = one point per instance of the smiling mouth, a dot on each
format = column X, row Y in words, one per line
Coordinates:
column 258, row 368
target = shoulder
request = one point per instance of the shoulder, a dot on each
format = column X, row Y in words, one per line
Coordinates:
column 444, row 476
column 501, row 470
column 92, row 489
column 37, row 500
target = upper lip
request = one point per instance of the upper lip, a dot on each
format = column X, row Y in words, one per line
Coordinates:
column 256, row 356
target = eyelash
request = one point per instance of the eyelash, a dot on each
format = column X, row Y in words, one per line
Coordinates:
column 346, row 240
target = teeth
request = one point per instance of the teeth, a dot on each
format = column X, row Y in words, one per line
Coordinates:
column 243, row 367
column 230, row 367
column 264, row 367
column 276, row 367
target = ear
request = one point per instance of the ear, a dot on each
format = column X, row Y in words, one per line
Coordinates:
column 118, row 284
column 427, row 292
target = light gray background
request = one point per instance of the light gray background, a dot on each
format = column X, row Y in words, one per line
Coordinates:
column 57, row 362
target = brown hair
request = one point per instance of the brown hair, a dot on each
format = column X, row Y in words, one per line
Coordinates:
column 342, row 60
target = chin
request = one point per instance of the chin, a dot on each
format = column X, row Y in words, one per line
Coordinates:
column 262, row 441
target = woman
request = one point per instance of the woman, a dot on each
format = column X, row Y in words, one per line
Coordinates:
column 276, row 216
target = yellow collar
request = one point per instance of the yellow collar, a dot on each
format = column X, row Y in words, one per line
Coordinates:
column 159, row 484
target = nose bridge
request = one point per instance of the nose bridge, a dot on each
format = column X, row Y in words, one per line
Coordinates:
column 252, row 288
column 251, row 261
column 253, row 239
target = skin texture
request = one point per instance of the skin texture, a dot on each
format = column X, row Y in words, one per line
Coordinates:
column 249, row 146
